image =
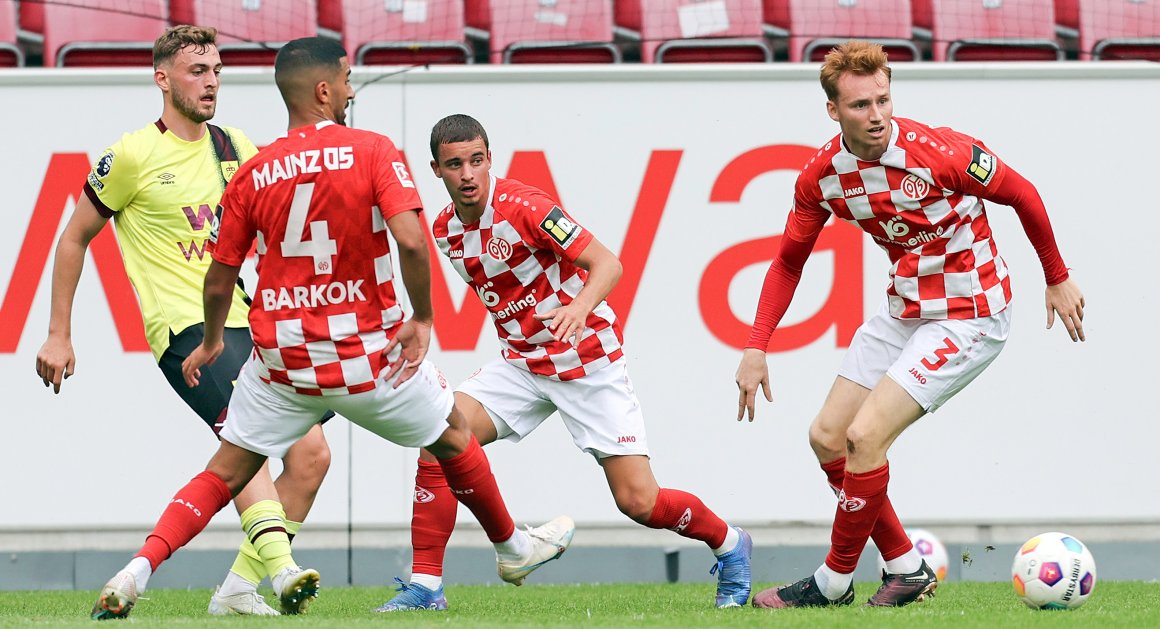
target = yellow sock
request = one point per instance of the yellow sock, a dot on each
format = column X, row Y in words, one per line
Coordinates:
column 248, row 565
column 292, row 528
column 265, row 526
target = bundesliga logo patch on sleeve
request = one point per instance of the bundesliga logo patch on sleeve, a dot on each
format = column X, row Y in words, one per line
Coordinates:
column 562, row 230
column 982, row 166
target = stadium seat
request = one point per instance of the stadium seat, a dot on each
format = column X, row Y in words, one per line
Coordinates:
column 1119, row 29
column 922, row 15
column 816, row 26
column 378, row 32
column 102, row 32
column 688, row 31
column 985, row 30
column 250, row 32
column 10, row 54
column 545, row 31
column 1067, row 18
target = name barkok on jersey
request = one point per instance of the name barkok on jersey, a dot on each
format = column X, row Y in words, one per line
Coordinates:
column 312, row 296
column 303, row 162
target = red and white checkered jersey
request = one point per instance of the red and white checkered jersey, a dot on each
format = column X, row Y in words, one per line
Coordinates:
column 520, row 259
column 317, row 201
column 921, row 203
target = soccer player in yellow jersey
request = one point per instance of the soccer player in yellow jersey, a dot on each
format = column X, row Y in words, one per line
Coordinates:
column 161, row 186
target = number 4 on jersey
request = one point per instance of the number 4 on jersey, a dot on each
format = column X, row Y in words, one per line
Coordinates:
column 320, row 246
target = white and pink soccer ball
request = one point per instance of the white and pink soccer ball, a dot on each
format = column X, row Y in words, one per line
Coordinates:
column 1053, row 571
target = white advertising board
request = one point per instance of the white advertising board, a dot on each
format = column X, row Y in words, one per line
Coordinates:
column 687, row 173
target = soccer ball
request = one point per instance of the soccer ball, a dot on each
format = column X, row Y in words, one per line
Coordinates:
column 930, row 548
column 1053, row 571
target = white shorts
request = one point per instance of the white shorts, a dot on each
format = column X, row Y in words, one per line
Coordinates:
column 931, row 359
column 600, row 410
column 269, row 419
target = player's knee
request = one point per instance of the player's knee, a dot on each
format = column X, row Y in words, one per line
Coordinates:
column 827, row 444
column 860, row 440
column 636, row 504
column 309, row 459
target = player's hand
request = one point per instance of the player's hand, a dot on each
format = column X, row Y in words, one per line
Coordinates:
column 567, row 322
column 751, row 373
column 198, row 358
column 55, row 361
column 1066, row 299
column 414, row 338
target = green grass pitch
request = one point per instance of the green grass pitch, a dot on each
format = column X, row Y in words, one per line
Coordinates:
column 985, row 605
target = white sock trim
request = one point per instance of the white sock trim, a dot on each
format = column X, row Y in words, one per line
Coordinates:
column 429, row 581
column 732, row 538
column 831, row 583
column 141, row 570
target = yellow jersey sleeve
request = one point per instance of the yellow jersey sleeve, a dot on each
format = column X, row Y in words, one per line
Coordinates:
column 114, row 177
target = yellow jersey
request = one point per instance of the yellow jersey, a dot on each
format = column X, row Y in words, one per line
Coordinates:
column 162, row 193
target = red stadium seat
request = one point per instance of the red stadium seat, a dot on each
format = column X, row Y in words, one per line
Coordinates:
column 545, row 31
column 922, row 14
column 690, row 31
column 1119, row 29
column 250, row 32
column 375, row 32
column 103, row 32
column 984, row 30
column 775, row 14
column 818, row 25
column 1067, row 14
column 10, row 54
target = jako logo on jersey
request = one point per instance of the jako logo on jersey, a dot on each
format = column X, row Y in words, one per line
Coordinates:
column 849, row 505
column 853, row 192
column 626, row 439
column 513, row 307
column 423, row 496
column 686, row 519
column 488, row 297
column 462, row 492
column 312, row 296
column 455, row 254
column 498, row 248
column 403, row 175
column 914, row 187
column 288, row 166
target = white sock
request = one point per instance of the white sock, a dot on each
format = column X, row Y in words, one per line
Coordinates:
column 732, row 538
column 909, row 562
column 236, row 584
column 831, row 583
column 514, row 548
column 429, row 581
column 141, row 570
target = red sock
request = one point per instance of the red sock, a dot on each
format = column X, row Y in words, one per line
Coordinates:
column 470, row 478
column 191, row 509
column 687, row 516
column 858, row 507
column 432, row 519
column 888, row 534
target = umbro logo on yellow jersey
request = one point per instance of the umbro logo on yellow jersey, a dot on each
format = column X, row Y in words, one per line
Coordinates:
column 167, row 178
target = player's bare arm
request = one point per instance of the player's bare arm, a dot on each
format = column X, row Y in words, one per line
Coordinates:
column 414, row 337
column 220, row 281
column 751, row 373
column 1066, row 300
column 55, row 361
column 604, row 270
